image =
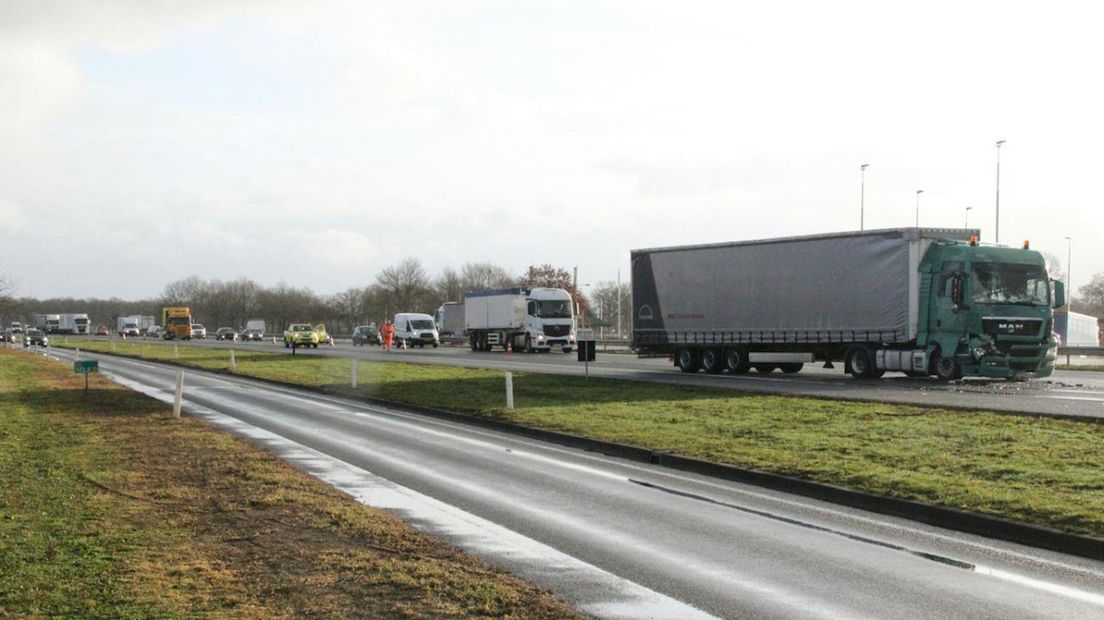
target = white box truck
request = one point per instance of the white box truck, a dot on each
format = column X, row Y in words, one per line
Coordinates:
column 521, row 318
column 73, row 323
column 128, row 326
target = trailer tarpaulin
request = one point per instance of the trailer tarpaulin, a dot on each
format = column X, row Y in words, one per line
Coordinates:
column 852, row 286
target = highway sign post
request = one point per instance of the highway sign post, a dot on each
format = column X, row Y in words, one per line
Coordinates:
column 587, row 352
column 85, row 367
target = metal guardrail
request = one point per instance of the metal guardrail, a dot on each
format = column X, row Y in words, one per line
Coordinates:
column 1090, row 351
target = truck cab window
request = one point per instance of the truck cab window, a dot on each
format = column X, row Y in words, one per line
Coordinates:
column 532, row 308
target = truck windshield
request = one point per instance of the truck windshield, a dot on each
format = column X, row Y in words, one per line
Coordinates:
column 552, row 309
column 82, row 321
column 1006, row 283
column 421, row 324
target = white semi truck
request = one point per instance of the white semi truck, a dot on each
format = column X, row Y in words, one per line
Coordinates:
column 73, row 323
column 521, row 318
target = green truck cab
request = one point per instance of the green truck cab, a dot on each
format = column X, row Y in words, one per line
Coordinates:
column 988, row 311
column 305, row 335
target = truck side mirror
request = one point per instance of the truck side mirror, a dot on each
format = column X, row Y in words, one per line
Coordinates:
column 1059, row 294
column 957, row 292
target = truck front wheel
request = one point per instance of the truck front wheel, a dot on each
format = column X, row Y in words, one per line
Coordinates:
column 711, row 361
column 946, row 368
column 688, row 360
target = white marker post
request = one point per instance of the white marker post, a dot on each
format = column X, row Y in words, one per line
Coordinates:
column 112, row 345
column 76, row 353
column 353, row 372
column 176, row 351
column 233, row 362
column 509, row 390
column 179, row 394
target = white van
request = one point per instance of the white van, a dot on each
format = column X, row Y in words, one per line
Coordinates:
column 416, row 329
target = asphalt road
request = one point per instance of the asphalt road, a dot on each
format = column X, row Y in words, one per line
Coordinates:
column 1067, row 392
column 626, row 540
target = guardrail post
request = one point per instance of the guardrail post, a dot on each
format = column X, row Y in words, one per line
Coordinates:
column 179, row 394
column 233, row 362
column 509, row 390
column 176, row 351
column 353, row 372
column 112, row 345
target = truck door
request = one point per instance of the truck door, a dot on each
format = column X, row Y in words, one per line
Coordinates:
column 946, row 317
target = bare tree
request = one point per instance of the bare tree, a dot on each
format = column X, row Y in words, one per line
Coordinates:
column 484, row 276
column 406, row 285
column 1091, row 300
column 605, row 299
column 449, row 285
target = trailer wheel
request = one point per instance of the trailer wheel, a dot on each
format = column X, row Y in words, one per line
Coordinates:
column 736, row 362
column 946, row 368
column 791, row 368
column 712, row 361
column 860, row 363
column 688, row 360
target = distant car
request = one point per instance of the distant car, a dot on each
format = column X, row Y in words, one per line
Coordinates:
column 366, row 334
column 102, row 331
column 153, row 331
column 198, row 331
column 226, row 333
column 36, row 336
column 251, row 334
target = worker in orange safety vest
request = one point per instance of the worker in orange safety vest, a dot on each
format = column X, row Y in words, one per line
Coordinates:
column 387, row 333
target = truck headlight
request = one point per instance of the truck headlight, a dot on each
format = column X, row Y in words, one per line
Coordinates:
column 979, row 353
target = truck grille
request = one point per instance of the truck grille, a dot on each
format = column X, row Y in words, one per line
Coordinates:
column 1011, row 327
column 557, row 330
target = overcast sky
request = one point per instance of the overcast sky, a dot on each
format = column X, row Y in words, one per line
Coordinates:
column 316, row 142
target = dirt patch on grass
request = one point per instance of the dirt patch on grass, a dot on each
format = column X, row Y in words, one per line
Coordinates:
column 192, row 522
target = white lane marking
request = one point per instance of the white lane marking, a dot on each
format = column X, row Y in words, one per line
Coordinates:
column 1046, row 586
column 609, row 596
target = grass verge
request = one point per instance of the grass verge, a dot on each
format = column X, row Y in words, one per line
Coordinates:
column 1037, row 470
column 109, row 507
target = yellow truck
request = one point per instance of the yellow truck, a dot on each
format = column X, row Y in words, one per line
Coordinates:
column 305, row 335
column 177, row 322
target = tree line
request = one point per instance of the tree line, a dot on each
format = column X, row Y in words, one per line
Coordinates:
column 402, row 287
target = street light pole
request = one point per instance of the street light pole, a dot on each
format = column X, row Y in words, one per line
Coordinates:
column 918, row 192
column 1069, row 280
column 997, row 232
column 968, row 216
column 862, row 195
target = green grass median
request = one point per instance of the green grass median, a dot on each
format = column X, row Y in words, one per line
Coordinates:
column 111, row 508
column 1037, row 470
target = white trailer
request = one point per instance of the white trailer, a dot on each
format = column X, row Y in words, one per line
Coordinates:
column 533, row 319
column 1077, row 330
column 256, row 324
column 73, row 323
